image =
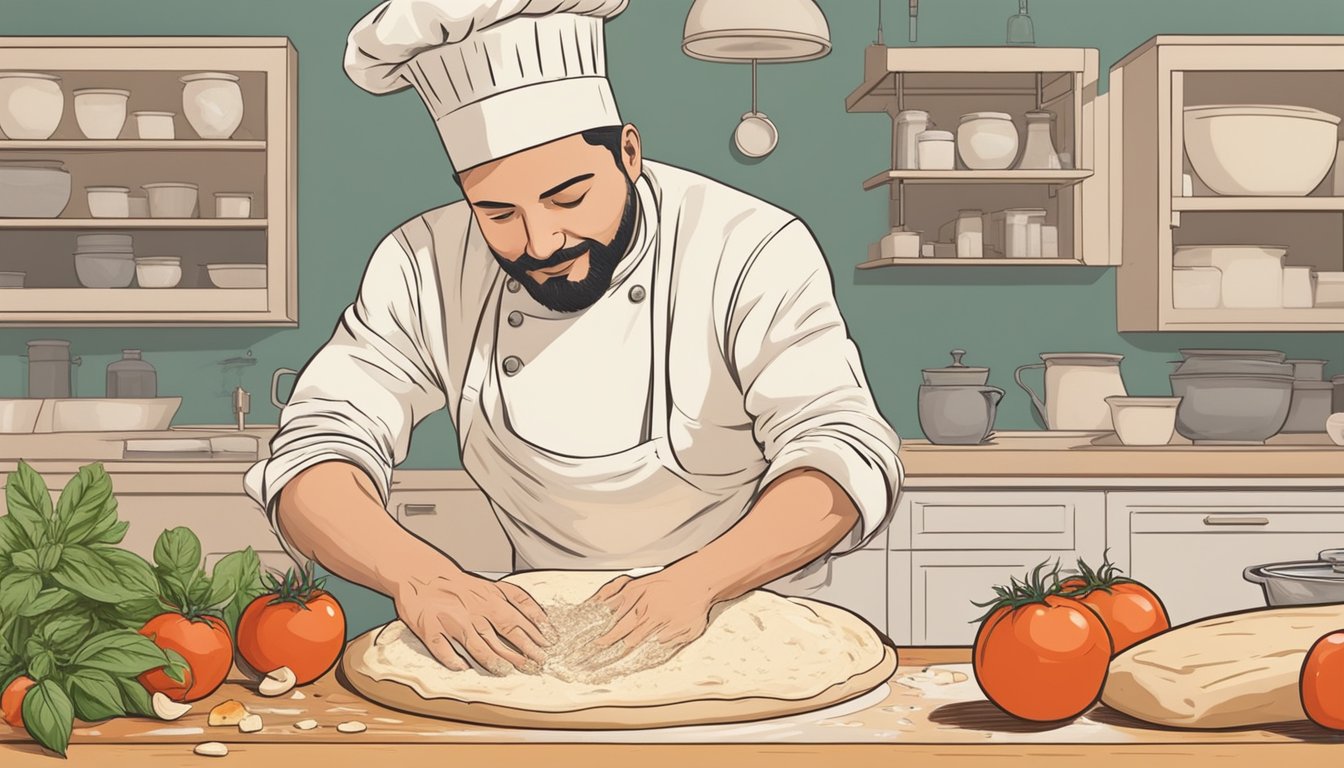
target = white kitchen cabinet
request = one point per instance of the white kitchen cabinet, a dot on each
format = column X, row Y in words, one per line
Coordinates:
column 456, row 517
column 858, row 583
column 1192, row 547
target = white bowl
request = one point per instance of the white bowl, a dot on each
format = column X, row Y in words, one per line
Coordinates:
column 154, row 125
column 1144, row 420
column 158, row 271
column 101, row 112
column 1334, row 427
column 113, row 414
column 31, row 105
column 1261, row 150
column 237, row 275
column 104, row 270
column 233, row 205
column 138, row 205
column 94, row 241
column 213, row 104
column 172, row 200
column 987, row 141
column 33, row 189
column 108, row 202
column 12, row 279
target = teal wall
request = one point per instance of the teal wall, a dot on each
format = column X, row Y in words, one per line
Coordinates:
column 367, row 163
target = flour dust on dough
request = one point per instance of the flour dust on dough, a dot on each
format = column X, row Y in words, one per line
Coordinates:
column 758, row 645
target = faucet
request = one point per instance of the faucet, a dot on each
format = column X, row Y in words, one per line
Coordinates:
column 914, row 14
column 242, row 404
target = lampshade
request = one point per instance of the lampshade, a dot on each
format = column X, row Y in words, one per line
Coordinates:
column 765, row 30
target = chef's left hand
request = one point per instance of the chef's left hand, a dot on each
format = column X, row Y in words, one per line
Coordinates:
column 665, row 607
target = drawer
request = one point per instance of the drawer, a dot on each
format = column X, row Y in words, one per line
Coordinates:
column 458, row 522
column 1045, row 520
column 1222, row 520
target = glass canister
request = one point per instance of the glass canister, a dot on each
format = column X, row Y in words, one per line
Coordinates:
column 131, row 376
column 1039, row 153
column 909, row 124
column 49, row 368
column 970, row 234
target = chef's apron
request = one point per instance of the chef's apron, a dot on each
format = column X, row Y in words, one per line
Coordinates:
column 636, row 508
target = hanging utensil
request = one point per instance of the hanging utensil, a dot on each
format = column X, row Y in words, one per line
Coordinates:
column 755, row 136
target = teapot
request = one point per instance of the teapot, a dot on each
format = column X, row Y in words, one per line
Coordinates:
column 958, row 414
column 1076, row 387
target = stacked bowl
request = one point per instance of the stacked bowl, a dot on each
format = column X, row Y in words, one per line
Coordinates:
column 1232, row 396
column 104, row 260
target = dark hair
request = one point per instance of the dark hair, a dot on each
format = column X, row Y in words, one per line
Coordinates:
column 607, row 136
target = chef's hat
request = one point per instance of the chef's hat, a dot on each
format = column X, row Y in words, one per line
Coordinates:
column 498, row 76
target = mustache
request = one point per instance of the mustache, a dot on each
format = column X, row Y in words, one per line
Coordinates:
column 528, row 263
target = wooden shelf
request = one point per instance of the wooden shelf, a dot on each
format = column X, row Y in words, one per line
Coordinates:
column 133, row 223
column 1061, row 178
column 1252, row 204
column 878, row 263
column 962, row 71
column 1280, row 320
column 132, row 144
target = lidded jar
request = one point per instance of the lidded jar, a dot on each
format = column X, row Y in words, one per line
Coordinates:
column 1039, row 153
column 131, row 376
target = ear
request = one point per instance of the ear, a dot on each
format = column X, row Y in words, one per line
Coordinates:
column 632, row 153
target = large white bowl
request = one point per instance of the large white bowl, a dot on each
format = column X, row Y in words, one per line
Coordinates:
column 1260, row 150
column 237, row 275
column 213, row 104
column 31, row 105
column 33, row 189
column 987, row 141
column 172, row 200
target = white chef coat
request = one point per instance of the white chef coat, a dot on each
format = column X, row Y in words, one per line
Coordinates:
column 754, row 376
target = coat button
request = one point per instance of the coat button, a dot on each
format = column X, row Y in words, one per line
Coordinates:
column 637, row 294
column 512, row 365
column 515, row 318
column 512, row 285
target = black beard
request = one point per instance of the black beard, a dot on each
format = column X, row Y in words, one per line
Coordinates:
column 559, row 293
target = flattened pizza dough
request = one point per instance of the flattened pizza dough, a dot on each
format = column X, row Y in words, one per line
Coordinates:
column 762, row 655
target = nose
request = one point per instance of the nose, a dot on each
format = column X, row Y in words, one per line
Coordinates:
column 544, row 237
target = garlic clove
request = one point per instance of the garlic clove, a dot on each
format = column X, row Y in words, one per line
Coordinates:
column 277, row 682
column 353, row 726
column 167, row 709
column 306, row 725
column 250, row 724
column 211, row 749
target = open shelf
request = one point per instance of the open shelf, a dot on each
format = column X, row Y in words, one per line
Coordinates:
column 1286, row 320
column 1061, row 178
column 878, row 263
column 132, row 144
column 133, row 223
column 1235, row 204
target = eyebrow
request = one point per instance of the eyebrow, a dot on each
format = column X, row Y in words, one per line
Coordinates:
column 557, row 189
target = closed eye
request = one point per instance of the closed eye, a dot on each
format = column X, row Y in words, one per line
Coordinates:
column 574, row 204
column 503, row 216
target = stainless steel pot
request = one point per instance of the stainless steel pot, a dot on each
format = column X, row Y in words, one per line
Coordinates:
column 958, row 414
column 1307, row 582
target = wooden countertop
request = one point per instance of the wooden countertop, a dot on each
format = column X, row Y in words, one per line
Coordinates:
column 930, row 707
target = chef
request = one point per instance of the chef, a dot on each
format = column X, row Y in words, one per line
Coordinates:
column 646, row 368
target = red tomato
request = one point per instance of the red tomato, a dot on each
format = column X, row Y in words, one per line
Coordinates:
column 305, row 634
column 1132, row 612
column 11, row 702
column 1044, row 661
column 204, row 643
column 1322, row 682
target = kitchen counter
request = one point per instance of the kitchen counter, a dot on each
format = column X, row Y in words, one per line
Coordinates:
column 930, row 707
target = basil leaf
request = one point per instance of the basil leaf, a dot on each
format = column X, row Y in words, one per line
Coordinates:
column 12, row 538
column 48, row 600
column 135, row 697
column 110, row 531
column 178, row 551
column 17, row 589
column 26, row 560
column 49, row 716
column 29, row 503
column 134, row 572
column 121, row 652
column 249, row 588
column 96, row 695
column 133, row 614
column 81, row 503
column 232, row 572
column 41, row 665
column 177, row 667
column 65, row 633
column 199, row 590
column 48, row 557
column 88, row 573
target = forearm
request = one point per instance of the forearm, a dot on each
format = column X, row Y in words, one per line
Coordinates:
column 797, row 518
column 331, row 513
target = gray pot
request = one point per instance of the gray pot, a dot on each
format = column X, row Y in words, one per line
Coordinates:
column 958, row 414
column 1308, row 582
column 1217, row 408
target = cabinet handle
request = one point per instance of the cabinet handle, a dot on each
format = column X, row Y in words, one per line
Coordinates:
column 418, row 510
column 1235, row 520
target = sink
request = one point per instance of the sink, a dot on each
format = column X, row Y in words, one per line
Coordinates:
column 19, row 415
column 107, row 414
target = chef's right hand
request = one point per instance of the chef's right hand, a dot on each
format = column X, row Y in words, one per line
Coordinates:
column 497, row 623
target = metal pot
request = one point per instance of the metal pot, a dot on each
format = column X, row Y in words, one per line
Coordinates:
column 953, row 414
column 1307, row 582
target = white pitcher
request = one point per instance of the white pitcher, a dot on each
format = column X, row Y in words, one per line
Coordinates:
column 1076, row 387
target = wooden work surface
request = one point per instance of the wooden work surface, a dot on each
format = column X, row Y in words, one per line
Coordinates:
column 930, row 708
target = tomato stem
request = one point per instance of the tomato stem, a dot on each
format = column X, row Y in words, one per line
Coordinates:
column 299, row 588
column 1031, row 589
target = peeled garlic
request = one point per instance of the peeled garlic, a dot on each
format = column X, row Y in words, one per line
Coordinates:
column 211, row 749
column 250, row 724
column 306, row 725
column 277, row 682
column 353, row 726
column 229, row 713
column 167, row 709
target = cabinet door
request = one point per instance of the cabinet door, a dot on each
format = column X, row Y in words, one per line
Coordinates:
column 858, row 584
column 944, row 584
column 999, row 520
column 1192, row 548
column 459, row 522
column 223, row 523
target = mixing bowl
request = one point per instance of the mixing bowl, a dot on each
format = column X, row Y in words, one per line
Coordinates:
column 1231, row 408
column 1260, row 149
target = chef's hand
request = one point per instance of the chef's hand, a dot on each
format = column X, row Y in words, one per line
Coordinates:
column 497, row 623
column 661, row 607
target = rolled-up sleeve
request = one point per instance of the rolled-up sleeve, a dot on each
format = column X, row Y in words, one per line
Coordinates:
column 358, row 399
column 804, row 384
